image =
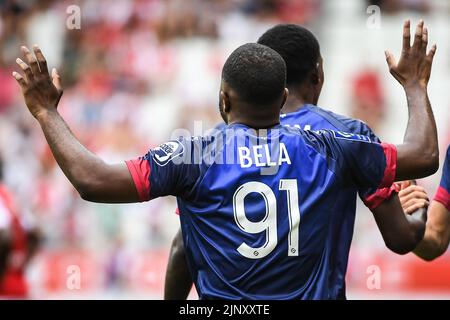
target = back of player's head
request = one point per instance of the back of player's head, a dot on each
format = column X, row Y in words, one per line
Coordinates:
column 298, row 47
column 256, row 73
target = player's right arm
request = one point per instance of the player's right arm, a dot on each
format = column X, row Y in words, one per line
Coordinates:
column 94, row 179
column 418, row 155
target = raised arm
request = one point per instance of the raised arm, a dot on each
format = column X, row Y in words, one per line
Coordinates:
column 94, row 179
column 418, row 156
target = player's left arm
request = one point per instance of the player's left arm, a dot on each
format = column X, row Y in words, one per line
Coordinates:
column 400, row 231
column 94, row 179
column 372, row 165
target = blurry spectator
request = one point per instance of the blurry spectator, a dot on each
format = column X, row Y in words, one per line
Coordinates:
column 392, row 6
column 18, row 244
column 368, row 98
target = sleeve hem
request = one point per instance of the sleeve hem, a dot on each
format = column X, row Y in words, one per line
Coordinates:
column 140, row 172
column 374, row 200
column 443, row 197
column 390, row 151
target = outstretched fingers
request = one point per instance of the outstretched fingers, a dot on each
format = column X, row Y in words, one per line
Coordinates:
column 31, row 61
column 431, row 53
column 406, row 36
column 41, row 59
column 390, row 59
column 20, row 80
column 56, row 79
column 417, row 45
column 26, row 70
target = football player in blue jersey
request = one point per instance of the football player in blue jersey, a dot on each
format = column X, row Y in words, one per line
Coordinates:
column 437, row 234
column 258, row 201
column 301, row 52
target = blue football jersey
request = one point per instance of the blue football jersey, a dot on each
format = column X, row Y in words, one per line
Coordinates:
column 310, row 117
column 258, row 211
column 443, row 192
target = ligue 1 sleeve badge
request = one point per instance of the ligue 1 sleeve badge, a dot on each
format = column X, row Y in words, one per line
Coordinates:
column 167, row 151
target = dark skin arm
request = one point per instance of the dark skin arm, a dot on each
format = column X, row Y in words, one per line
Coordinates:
column 418, row 156
column 178, row 281
column 401, row 232
column 94, row 179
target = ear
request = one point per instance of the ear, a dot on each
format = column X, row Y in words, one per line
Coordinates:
column 315, row 75
column 224, row 102
column 285, row 96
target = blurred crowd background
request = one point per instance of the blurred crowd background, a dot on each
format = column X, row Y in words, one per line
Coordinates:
column 136, row 70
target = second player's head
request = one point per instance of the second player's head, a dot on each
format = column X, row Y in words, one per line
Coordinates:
column 301, row 52
column 253, row 88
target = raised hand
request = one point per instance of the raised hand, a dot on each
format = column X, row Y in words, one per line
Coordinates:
column 41, row 92
column 414, row 66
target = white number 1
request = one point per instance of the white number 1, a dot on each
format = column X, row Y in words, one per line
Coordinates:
column 269, row 222
column 290, row 185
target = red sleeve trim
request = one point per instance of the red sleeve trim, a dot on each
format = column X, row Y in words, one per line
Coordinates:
column 140, row 172
column 177, row 211
column 374, row 200
column 390, row 151
column 443, row 197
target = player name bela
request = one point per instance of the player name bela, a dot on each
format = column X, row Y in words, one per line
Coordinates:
column 260, row 156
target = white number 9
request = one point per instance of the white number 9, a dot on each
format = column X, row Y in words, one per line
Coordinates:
column 269, row 222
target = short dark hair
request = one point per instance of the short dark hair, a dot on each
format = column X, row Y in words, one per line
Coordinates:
column 256, row 72
column 298, row 47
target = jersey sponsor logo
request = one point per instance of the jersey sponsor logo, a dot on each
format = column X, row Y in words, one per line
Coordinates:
column 351, row 136
column 167, row 151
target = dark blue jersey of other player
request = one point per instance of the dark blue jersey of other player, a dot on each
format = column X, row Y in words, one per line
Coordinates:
column 262, row 226
column 310, row 117
column 443, row 193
